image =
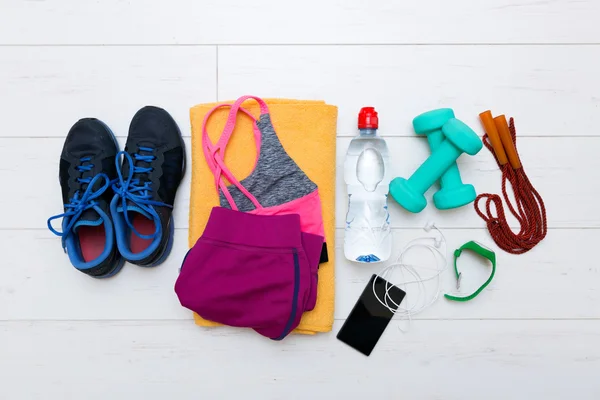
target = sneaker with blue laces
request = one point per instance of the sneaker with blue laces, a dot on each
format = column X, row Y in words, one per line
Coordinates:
column 86, row 171
column 149, row 175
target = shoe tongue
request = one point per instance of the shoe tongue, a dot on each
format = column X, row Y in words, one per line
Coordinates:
column 89, row 217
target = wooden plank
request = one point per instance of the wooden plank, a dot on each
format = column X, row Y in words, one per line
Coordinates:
column 65, row 335
column 546, row 88
column 437, row 359
column 559, row 172
column 57, row 291
column 47, row 89
column 307, row 22
column 556, row 280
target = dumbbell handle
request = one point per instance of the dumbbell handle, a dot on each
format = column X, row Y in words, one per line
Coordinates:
column 451, row 177
column 435, row 165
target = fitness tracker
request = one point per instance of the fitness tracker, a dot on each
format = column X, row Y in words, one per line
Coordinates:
column 483, row 252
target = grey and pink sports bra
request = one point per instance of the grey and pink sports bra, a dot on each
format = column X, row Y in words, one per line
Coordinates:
column 276, row 185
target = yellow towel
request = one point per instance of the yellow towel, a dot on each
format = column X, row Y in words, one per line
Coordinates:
column 307, row 131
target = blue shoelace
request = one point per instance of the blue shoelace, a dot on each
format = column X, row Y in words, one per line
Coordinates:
column 133, row 190
column 79, row 204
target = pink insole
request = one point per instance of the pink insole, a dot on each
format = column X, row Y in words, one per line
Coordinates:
column 92, row 240
column 144, row 226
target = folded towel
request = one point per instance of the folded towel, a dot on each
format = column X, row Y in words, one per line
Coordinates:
column 307, row 131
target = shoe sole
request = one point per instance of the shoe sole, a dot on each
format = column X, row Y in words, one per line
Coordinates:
column 168, row 248
column 115, row 271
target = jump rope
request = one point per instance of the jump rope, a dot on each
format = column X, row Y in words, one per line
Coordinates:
column 530, row 211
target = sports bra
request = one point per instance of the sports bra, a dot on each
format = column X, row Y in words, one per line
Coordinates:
column 276, row 185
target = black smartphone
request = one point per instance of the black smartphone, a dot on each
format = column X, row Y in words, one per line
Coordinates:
column 369, row 318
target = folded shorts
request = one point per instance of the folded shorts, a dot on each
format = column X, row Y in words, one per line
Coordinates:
column 253, row 271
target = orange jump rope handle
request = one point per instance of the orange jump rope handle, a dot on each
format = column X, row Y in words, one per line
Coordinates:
column 507, row 142
column 490, row 128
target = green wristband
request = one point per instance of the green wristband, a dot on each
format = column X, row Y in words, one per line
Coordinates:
column 483, row 252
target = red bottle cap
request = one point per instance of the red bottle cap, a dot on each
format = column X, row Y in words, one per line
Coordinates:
column 367, row 118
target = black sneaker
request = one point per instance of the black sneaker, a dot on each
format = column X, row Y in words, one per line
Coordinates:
column 86, row 170
column 152, row 167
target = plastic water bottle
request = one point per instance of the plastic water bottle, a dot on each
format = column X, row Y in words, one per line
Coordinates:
column 367, row 237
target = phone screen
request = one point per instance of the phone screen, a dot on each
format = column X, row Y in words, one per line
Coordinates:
column 369, row 318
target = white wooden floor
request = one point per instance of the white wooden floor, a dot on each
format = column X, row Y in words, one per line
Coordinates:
column 533, row 334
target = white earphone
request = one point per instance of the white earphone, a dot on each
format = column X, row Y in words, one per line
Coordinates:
column 437, row 242
column 421, row 301
column 429, row 226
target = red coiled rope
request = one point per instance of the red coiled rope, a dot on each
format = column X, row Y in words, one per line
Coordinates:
column 530, row 211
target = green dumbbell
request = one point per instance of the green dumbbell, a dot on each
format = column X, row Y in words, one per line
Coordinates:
column 459, row 138
column 454, row 193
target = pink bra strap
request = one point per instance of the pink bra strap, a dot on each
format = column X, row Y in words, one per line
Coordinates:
column 230, row 124
column 215, row 161
column 215, row 153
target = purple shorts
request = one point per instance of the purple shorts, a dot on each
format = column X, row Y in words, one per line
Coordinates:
column 254, row 271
